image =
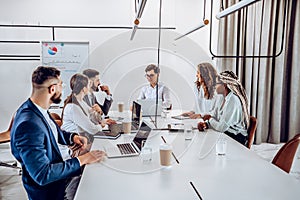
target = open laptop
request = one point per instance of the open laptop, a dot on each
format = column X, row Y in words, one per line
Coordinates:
column 136, row 116
column 149, row 106
column 129, row 149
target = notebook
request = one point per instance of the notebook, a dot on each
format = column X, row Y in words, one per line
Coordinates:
column 149, row 106
column 129, row 149
column 106, row 134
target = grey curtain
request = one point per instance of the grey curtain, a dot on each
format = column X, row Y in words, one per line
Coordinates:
column 272, row 84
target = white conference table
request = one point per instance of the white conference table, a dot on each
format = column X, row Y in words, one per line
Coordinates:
column 240, row 174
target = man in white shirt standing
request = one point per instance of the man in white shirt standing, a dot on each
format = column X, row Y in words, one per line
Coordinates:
column 90, row 99
column 149, row 91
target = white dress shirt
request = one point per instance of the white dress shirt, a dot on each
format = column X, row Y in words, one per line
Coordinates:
column 75, row 120
column 149, row 92
column 64, row 149
column 229, row 117
column 205, row 106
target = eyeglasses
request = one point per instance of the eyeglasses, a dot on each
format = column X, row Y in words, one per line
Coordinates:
column 149, row 75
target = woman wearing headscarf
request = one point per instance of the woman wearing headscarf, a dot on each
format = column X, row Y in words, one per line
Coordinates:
column 232, row 115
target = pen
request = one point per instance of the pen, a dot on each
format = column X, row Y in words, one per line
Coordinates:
column 196, row 190
column 172, row 151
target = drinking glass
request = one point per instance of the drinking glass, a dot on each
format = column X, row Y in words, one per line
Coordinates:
column 146, row 152
column 221, row 146
column 188, row 131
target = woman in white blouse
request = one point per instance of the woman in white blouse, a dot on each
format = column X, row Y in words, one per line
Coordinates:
column 205, row 97
column 77, row 115
column 232, row 115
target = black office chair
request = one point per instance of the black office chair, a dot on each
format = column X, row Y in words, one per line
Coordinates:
column 5, row 138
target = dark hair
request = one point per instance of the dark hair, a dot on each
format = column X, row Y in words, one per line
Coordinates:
column 209, row 77
column 90, row 73
column 42, row 74
column 154, row 67
column 77, row 83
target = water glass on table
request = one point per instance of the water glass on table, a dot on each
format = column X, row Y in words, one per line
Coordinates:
column 221, row 146
column 188, row 131
column 146, row 152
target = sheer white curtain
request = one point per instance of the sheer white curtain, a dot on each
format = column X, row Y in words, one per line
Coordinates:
column 272, row 84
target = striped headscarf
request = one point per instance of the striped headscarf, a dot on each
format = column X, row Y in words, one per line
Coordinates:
column 236, row 87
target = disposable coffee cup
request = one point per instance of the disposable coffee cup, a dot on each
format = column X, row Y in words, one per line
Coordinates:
column 126, row 126
column 120, row 106
column 165, row 151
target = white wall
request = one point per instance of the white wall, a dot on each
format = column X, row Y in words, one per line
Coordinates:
column 120, row 61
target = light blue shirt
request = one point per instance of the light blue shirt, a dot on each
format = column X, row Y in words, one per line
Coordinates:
column 229, row 117
column 149, row 92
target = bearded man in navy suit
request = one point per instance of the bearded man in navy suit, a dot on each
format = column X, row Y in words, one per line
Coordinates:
column 35, row 137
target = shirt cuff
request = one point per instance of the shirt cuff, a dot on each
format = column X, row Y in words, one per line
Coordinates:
column 78, row 160
column 109, row 97
column 71, row 138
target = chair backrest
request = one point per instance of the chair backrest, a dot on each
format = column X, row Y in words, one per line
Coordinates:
column 5, row 136
column 285, row 156
column 56, row 118
column 251, row 131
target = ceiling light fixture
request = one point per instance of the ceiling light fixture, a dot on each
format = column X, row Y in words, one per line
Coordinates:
column 139, row 13
column 202, row 24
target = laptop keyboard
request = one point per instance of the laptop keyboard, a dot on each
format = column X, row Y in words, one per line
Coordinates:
column 126, row 148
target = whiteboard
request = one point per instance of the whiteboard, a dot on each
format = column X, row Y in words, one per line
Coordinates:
column 68, row 57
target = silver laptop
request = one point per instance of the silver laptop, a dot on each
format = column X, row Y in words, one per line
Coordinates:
column 129, row 149
column 149, row 107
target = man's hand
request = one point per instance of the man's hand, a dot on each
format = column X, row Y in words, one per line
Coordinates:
column 105, row 89
column 92, row 157
column 97, row 108
column 110, row 121
column 80, row 142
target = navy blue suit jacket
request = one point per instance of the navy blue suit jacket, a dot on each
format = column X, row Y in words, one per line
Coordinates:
column 34, row 146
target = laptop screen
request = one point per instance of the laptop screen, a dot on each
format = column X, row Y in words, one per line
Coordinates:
column 136, row 113
column 141, row 135
column 149, row 106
